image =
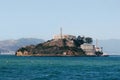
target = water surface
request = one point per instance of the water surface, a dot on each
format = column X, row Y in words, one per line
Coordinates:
column 59, row 68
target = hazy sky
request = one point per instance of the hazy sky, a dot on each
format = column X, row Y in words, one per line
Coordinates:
column 42, row 18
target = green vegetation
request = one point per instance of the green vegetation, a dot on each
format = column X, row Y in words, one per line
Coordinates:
column 80, row 40
column 88, row 40
column 22, row 49
column 98, row 53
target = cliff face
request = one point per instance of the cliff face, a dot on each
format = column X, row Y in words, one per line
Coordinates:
column 52, row 48
column 60, row 43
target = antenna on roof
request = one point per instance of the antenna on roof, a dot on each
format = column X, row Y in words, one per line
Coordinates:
column 96, row 43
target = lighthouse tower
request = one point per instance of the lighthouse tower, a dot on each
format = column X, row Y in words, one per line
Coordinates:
column 61, row 33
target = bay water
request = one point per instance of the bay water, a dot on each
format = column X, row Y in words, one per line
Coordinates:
column 59, row 68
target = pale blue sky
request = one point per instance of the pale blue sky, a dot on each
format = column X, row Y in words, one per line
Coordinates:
column 42, row 18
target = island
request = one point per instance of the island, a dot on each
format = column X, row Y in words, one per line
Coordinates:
column 62, row 45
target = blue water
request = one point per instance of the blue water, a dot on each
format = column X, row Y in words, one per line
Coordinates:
column 59, row 68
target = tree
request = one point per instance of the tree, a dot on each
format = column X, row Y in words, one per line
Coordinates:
column 98, row 53
column 88, row 40
column 79, row 41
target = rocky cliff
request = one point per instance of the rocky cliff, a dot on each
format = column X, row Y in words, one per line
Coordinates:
column 61, row 47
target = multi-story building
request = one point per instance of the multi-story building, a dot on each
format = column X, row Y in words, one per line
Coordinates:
column 56, row 37
column 89, row 49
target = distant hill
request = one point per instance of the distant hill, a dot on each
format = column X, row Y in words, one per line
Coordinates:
column 13, row 45
column 111, row 46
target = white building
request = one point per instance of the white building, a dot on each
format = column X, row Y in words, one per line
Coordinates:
column 88, row 48
column 56, row 37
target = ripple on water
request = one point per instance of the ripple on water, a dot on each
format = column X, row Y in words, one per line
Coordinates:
column 59, row 68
